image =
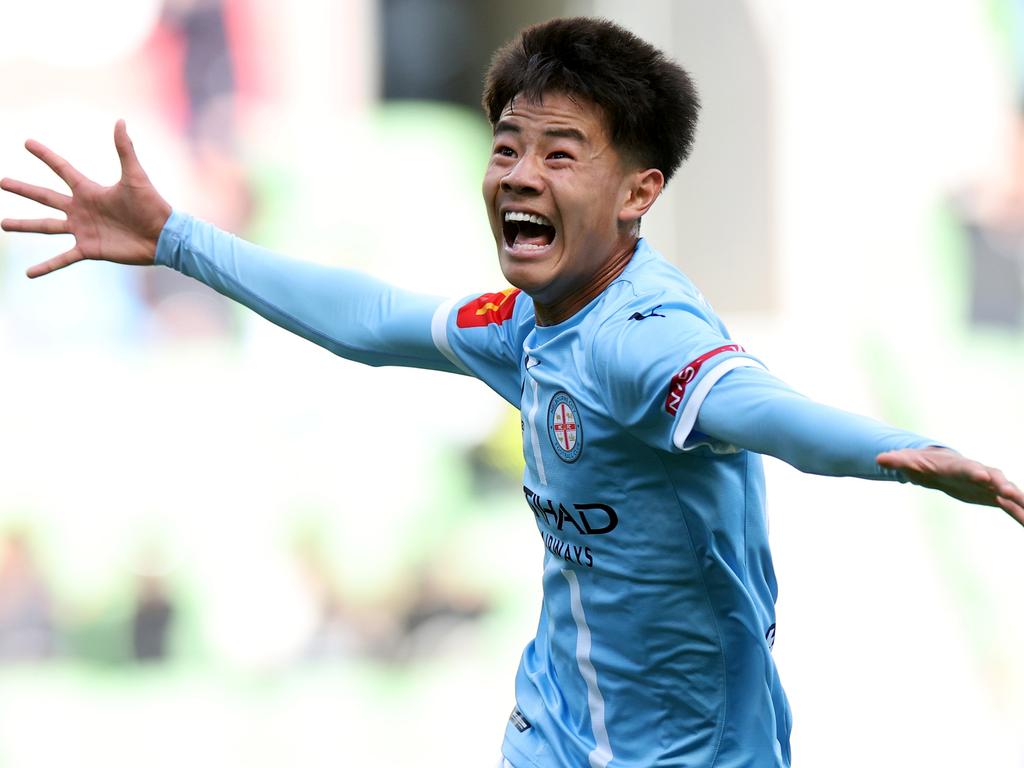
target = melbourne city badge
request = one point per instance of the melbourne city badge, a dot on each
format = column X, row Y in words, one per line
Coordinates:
column 564, row 427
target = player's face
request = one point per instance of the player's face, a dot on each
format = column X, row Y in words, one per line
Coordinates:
column 559, row 196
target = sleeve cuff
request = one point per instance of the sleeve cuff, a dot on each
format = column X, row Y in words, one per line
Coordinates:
column 439, row 334
column 170, row 239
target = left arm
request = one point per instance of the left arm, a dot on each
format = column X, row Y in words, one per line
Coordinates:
column 749, row 408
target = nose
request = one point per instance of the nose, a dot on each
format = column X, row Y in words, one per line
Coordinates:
column 524, row 178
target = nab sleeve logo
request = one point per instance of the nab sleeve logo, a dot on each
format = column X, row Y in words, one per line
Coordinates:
column 686, row 374
column 490, row 308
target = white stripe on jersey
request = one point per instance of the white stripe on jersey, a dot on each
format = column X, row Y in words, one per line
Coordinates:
column 689, row 415
column 534, row 438
column 439, row 333
column 601, row 755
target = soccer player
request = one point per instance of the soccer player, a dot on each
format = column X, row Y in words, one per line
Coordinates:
column 642, row 419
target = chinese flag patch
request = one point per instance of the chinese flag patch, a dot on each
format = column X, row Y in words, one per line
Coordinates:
column 489, row 308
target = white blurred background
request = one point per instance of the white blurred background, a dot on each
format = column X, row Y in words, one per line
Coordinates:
column 220, row 545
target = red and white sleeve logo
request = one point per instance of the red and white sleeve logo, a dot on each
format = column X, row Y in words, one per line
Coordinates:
column 686, row 374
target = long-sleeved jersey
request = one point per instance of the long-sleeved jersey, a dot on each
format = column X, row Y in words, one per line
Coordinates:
column 640, row 421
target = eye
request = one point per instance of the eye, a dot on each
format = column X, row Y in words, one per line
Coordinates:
column 559, row 154
column 504, row 151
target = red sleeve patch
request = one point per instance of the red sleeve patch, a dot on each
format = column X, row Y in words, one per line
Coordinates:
column 686, row 374
column 490, row 308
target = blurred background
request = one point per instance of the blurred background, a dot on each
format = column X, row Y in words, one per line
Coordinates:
column 220, row 545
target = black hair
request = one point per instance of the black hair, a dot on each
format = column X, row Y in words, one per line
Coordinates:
column 649, row 102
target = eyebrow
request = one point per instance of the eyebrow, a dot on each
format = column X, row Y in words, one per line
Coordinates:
column 504, row 126
column 566, row 133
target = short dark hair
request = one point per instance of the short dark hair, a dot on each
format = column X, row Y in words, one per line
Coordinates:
column 650, row 103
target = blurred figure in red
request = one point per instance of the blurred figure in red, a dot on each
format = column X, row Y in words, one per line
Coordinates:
column 26, row 611
column 991, row 211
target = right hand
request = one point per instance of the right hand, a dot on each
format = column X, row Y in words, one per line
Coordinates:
column 121, row 223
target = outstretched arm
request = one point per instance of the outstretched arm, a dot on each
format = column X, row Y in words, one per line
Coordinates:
column 350, row 314
column 751, row 409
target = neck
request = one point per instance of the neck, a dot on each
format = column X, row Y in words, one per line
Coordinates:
column 567, row 306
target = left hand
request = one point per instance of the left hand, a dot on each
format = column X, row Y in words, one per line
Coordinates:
column 957, row 476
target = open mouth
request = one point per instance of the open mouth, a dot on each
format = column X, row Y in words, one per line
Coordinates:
column 527, row 230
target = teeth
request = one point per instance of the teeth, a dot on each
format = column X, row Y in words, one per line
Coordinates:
column 530, row 217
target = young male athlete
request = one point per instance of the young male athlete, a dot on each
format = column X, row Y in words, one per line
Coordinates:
column 642, row 420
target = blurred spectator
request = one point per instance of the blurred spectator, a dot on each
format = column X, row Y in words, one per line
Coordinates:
column 152, row 618
column 997, row 273
column 196, row 58
column 437, row 616
column 26, row 612
column 207, row 59
column 992, row 212
column 457, row 37
column 336, row 631
column 497, row 459
column 992, row 216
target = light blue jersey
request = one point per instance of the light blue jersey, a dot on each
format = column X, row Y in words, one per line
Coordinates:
column 642, row 422
column 654, row 641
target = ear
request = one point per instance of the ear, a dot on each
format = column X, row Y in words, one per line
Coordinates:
column 644, row 188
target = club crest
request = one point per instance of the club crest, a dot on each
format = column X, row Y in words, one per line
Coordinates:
column 564, row 427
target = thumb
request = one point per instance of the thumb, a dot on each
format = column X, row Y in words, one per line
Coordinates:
column 125, row 150
column 892, row 459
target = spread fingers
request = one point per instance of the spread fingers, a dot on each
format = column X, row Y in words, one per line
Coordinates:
column 41, row 195
column 39, row 226
column 57, row 164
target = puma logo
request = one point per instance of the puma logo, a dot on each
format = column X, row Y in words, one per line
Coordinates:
column 653, row 313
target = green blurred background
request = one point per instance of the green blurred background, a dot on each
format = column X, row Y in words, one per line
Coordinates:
column 220, row 545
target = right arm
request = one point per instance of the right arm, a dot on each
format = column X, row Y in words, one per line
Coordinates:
column 350, row 314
